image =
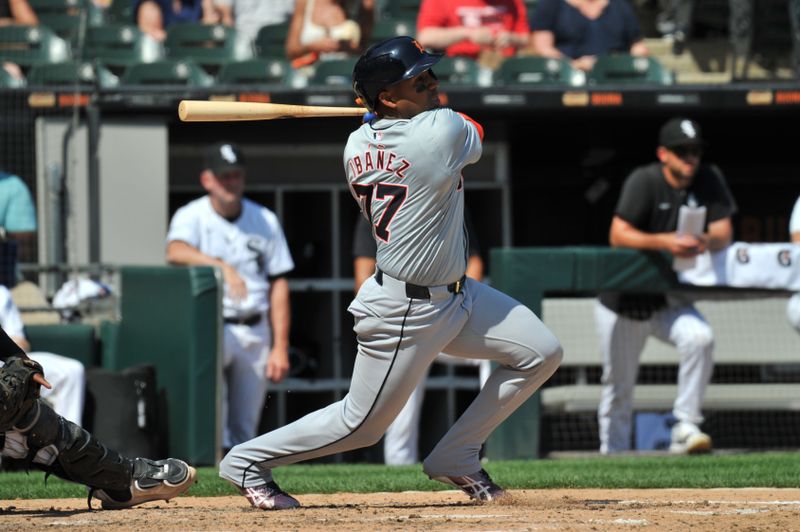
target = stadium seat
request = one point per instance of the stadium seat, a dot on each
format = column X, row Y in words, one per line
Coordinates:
column 270, row 41
column 458, row 71
column 82, row 73
column 388, row 28
column 255, row 71
column 64, row 16
column 120, row 12
column 629, row 69
column 334, row 73
column 401, row 9
column 525, row 71
column 167, row 72
column 7, row 81
column 31, row 45
column 121, row 45
column 206, row 44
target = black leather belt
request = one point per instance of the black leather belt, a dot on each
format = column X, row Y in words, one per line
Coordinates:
column 255, row 319
column 415, row 291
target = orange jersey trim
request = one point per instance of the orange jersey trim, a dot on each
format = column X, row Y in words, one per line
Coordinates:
column 474, row 123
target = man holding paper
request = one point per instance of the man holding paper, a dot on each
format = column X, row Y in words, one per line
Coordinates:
column 684, row 207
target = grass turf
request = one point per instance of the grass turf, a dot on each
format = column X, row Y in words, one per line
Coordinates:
column 774, row 469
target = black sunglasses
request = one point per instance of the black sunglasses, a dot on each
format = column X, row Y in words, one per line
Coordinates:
column 685, row 151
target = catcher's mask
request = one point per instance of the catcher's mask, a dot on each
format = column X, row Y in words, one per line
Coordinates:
column 387, row 63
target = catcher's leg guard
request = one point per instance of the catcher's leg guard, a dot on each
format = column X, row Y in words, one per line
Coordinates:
column 64, row 449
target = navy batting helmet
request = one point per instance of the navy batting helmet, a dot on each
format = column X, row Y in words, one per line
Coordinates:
column 387, row 63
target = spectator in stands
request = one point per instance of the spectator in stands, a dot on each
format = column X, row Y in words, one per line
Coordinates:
column 673, row 22
column 646, row 218
column 65, row 374
column 321, row 28
column 401, row 442
column 479, row 29
column 249, row 16
column 18, row 215
column 154, row 16
column 246, row 242
column 793, row 308
column 16, row 12
column 580, row 30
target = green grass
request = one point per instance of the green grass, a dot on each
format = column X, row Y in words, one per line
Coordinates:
column 777, row 470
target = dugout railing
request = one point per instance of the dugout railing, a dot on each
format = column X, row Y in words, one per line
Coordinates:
column 752, row 402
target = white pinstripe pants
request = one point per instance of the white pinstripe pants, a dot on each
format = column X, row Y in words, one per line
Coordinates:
column 622, row 341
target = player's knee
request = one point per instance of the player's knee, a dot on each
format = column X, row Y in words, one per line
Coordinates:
column 699, row 340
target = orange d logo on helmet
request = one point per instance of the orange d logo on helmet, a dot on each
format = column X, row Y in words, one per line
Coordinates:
column 418, row 45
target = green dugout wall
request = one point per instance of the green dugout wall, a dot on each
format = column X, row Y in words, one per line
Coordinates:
column 527, row 274
column 171, row 319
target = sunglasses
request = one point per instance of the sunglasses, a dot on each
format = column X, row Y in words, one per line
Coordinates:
column 686, row 151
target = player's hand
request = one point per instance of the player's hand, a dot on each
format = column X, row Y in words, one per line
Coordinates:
column 235, row 285
column 38, row 378
column 687, row 246
column 278, row 364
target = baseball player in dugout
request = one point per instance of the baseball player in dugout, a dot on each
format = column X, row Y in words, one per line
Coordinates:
column 245, row 240
column 404, row 169
column 646, row 217
column 31, row 431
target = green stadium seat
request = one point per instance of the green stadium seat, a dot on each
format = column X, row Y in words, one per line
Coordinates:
column 121, row 45
column 527, row 71
column 255, row 72
column 334, row 73
column 120, row 12
column 459, row 71
column 206, row 44
column 388, row 28
column 627, row 69
column 270, row 41
column 7, row 81
column 167, row 72
column 83, row 73
column 401, row 9
column 31, row 45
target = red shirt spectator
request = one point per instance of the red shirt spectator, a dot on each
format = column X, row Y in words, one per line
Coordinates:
column 466, row 27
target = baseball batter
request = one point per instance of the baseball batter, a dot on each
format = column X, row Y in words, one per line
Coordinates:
column 404, row 168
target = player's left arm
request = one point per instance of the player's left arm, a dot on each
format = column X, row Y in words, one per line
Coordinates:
column 279, row 317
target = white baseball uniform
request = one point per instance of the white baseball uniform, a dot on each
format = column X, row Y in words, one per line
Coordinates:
column 793, row 307
column 66, row 374
column 253, row 244
column 406, row 174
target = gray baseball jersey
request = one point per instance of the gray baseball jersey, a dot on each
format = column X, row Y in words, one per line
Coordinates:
column 401, row 171
column 406, row 174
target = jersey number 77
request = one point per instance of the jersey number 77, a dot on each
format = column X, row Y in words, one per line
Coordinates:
column 396, row 195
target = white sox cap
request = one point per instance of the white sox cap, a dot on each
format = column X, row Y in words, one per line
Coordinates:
column 223, row 156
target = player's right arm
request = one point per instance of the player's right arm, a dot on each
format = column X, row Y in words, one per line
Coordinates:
column 182, row 253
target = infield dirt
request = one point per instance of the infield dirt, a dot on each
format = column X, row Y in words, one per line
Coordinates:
column 596, row 510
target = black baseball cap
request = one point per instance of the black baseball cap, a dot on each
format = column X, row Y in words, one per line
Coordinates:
column 223, row 156
column 680, row 132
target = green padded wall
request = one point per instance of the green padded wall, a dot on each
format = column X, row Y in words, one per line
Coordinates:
column 527, row 274
column 171, row 319
column 74, row 340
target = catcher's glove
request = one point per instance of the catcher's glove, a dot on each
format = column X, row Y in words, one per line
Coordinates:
column 18, row 390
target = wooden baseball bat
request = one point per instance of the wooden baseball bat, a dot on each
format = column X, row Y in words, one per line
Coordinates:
column 213, row 111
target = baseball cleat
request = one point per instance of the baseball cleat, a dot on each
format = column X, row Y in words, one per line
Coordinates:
column 153, row 480
column 478, row 486
column 687, row 438
column 269, row 497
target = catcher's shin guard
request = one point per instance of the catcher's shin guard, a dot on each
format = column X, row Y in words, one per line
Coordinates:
column 64, row 449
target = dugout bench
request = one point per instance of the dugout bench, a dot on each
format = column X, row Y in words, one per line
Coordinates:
column 531, row 274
